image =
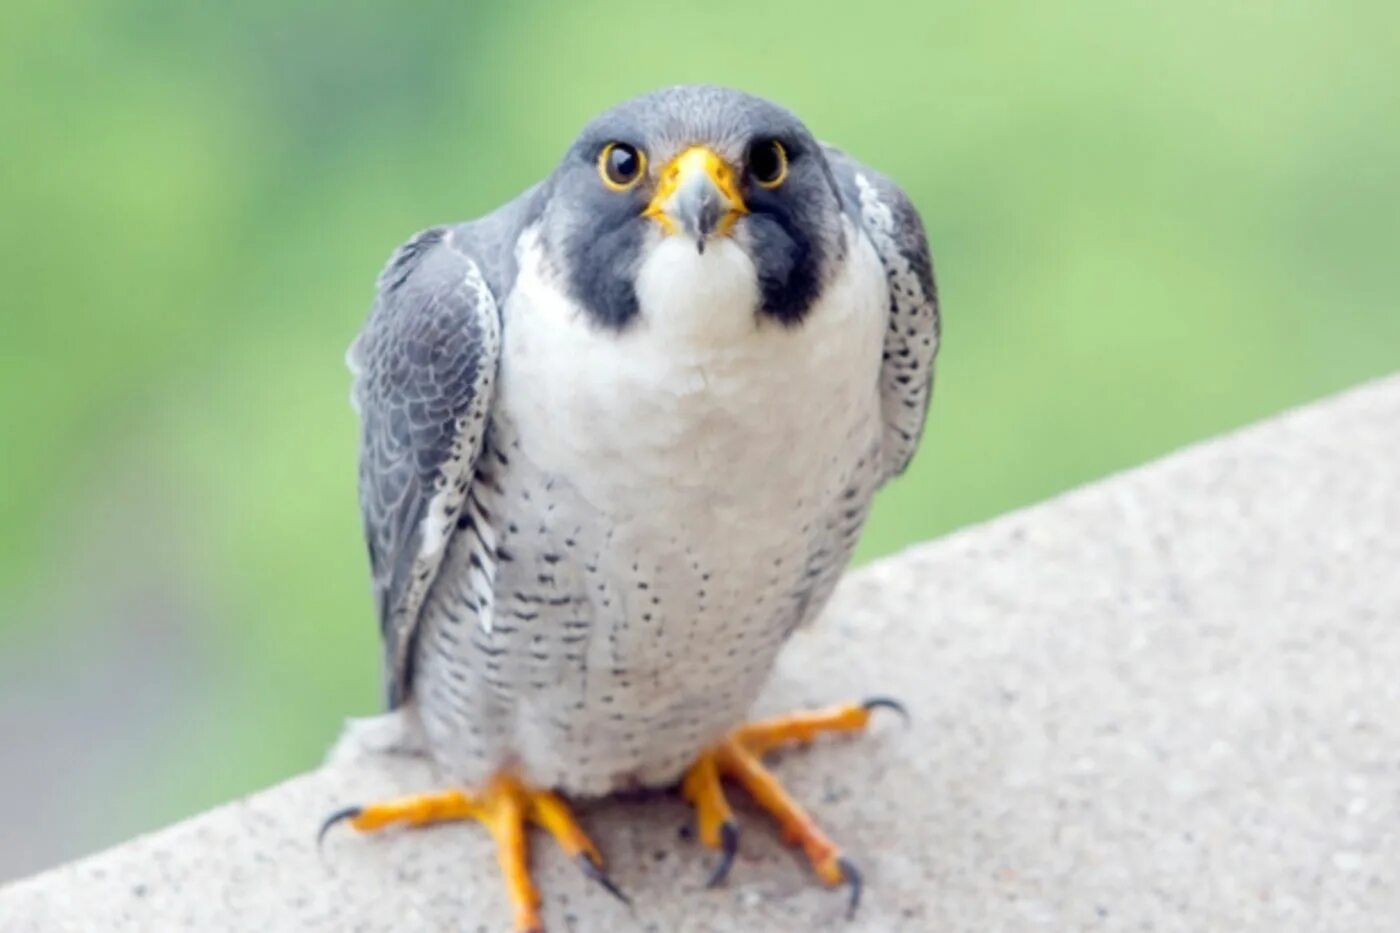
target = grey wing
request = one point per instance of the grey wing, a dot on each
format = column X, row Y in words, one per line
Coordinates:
column 890, row 221
column 424, row 371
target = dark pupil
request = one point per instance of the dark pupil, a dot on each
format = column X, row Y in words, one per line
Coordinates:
column 765, row 162
column 622, row 163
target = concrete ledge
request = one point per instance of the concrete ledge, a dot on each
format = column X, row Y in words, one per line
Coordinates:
column 1168, row 701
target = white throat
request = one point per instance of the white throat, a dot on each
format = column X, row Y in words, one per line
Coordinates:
column 705, row 299
column 701, row 396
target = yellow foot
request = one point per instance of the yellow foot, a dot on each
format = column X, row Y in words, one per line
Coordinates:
column 737, row 757
column 503, row 806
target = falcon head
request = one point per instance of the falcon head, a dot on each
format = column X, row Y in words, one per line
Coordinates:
column 690, row 201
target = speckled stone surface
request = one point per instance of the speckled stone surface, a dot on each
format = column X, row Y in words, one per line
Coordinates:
column 1168, row 701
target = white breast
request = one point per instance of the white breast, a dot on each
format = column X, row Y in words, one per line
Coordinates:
column 701, row 411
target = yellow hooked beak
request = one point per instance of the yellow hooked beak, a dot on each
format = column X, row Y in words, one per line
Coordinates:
column 698, row 195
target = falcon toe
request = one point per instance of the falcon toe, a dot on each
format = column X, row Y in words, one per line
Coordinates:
column 738, row 758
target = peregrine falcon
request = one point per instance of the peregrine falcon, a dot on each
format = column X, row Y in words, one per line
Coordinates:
column 619, row 438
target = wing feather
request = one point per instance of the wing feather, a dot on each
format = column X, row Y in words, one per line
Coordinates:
column 424, row 371
column 892, row 223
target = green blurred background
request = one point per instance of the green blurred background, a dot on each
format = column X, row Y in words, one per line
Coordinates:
column 1152, row 222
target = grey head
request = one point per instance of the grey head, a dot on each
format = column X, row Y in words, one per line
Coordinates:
column 702, row 163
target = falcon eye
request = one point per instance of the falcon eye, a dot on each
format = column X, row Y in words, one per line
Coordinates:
column 768, row 163
column 620, row 165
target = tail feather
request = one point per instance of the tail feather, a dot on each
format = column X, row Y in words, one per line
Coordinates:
column 394, row 733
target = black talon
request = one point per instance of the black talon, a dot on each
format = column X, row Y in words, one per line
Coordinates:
column 852, row 877
column 729, row 846
column 887, row 703
column 349, row 813
column 594, row 873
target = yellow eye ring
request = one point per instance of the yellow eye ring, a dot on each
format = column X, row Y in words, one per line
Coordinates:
column 768, row 163
column 621, row 165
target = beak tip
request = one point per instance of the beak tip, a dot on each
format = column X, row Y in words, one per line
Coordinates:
column 697, row 196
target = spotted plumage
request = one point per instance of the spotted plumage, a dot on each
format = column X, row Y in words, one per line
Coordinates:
column 606, row 471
